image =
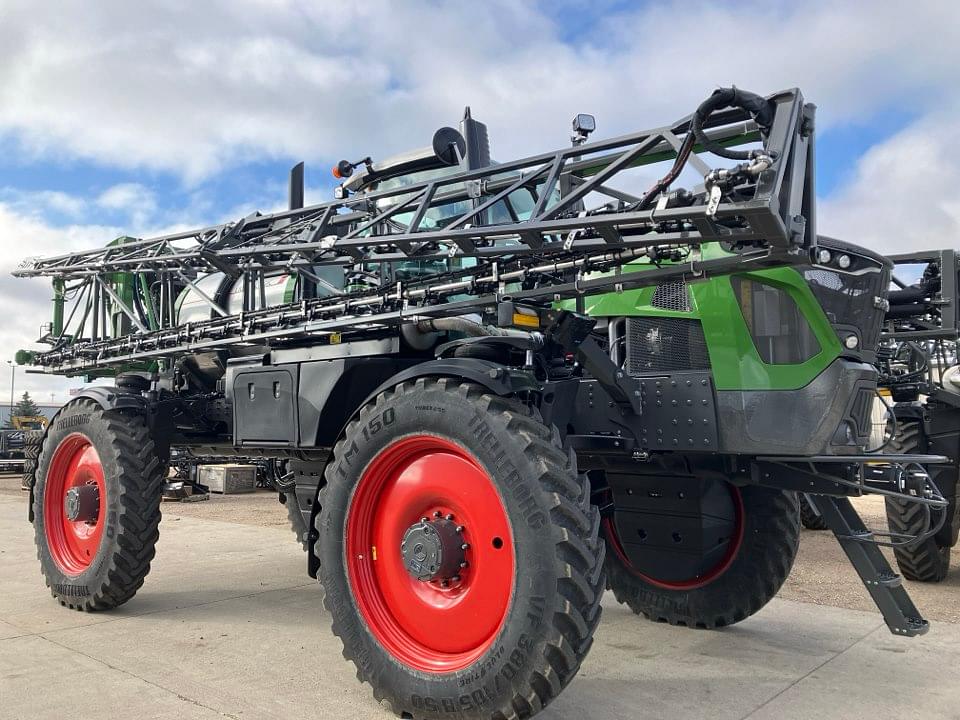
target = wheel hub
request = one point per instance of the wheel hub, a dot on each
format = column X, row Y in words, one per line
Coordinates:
column 82, row 504
column 434, row 549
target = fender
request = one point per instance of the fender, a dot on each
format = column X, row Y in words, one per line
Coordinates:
column 111, row 398
column 496, row 378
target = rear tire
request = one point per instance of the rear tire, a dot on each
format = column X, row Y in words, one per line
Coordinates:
column 809, row 517
column 96, row 506
column 507, row 633
column 32, row 440
column 761, row 564
column 927, row 561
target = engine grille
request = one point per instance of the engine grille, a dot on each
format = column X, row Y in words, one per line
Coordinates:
column 672, row 296
column 665, row 345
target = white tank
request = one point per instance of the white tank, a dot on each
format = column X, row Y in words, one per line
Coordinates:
column 279, row 289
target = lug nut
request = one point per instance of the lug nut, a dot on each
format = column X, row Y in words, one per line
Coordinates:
column 449, row 516
column 464, row 565
column 465, row 546
column 423, row 519
column 436, row 513
column 459, row 528
column 455, row 578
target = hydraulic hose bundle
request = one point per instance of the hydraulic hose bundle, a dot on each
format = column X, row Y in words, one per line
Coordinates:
column 760, row 109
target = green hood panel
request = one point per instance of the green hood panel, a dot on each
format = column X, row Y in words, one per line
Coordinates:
column 734, row 359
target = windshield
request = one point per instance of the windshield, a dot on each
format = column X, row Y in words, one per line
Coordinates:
column 515, row 207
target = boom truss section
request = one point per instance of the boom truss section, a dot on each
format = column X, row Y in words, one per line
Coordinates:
column 119, row 304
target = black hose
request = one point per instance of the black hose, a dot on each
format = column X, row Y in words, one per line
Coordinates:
column 138, row 307
column 760, row 109
column 663, row 183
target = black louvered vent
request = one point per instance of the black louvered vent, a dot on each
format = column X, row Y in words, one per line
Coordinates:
column 861, row 411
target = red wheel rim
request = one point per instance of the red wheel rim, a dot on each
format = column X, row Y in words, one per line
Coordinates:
column 75, row 466
column 422, row 624
column 696, row 582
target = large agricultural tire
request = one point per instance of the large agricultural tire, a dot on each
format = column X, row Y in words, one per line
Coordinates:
column 432, row 474
column 746, row 580
column 809, row 517
column 929, row 560
column 96, row 506
column 32, row 440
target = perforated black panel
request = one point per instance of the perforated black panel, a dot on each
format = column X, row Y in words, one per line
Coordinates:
column 665, row 345
column 672, row 296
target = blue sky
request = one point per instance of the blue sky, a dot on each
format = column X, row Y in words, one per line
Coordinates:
column 135, row 118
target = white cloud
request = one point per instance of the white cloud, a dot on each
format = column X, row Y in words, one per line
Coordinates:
column 198, row 87
column 27, row 302
column 133, row 199
column 125, row 196
column 40, row 203
column 902, row 194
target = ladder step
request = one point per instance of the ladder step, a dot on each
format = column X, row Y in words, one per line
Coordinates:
column 913, row 627
column 886, row 579
column 884, row 585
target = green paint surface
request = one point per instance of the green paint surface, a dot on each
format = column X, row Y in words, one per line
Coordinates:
column 734, row 358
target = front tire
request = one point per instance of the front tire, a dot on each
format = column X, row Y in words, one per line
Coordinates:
column 96, row 506
column 731, row 591
column 459, row 553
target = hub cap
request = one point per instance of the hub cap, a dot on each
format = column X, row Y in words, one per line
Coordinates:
column 429, row 554
column 434, row 550
column 73, row 504
column 82, row 504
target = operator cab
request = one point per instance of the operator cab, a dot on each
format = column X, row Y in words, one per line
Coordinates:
column 451, row 152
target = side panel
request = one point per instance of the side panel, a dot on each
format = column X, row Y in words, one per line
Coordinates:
column 264, row 407
column 830, row 416
column 736, row 363
column 683, row 412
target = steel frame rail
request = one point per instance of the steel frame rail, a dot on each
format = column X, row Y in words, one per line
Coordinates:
column 946, row 325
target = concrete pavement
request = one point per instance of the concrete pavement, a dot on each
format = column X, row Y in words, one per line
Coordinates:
column 229, row 625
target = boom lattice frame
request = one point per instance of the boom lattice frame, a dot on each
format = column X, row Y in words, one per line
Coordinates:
column 766, row 218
